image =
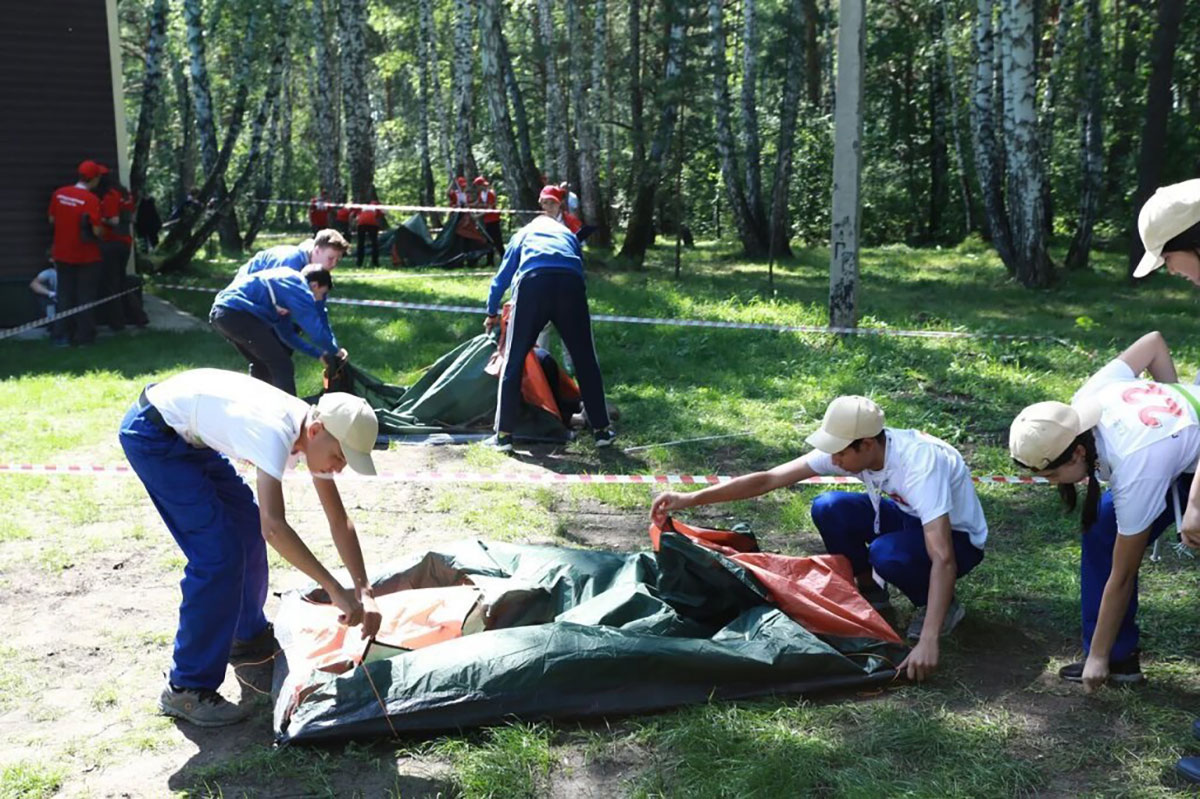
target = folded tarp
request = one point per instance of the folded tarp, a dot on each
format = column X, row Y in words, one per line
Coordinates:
column 480, row 632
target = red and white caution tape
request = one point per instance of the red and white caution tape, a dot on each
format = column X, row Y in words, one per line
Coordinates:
column 442, row 209
column 655, row 320
column 510, row 477
column 45, row 320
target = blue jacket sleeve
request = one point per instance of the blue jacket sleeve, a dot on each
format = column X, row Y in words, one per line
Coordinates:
column 504, row 275
column 287, row 333
column 304, row 312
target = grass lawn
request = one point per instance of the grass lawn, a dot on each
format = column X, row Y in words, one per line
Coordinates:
column 89, row 574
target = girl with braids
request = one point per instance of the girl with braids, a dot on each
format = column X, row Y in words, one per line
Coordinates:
column 1143, row 438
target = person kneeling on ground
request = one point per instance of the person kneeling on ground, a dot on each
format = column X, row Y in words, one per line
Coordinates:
column 546, row 263
column 928, row 531
column 1143, row 437
column 325, row 249
column 260, row 313
column 179, row 437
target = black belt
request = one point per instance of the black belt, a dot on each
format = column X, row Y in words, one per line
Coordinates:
column 152, row 414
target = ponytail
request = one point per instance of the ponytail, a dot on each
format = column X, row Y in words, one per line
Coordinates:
column 1067, row 491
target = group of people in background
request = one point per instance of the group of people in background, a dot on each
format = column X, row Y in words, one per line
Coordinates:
column 92, row 241
column 362, row 219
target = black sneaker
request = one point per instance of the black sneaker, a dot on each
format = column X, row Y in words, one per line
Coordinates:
column 604, row 437
column 262, row 645
column 878, row 597
column 501, row 442
column 1121, row 672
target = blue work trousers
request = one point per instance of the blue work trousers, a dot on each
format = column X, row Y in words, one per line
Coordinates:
column 1095, row 565
column 846, row 522
column 212, row 514
column 557, row 296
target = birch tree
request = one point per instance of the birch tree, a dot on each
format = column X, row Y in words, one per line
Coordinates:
column 589, row 180
column 521, row 185
column 325, row 111
column 356, row 99
column 151, row 91
column 751, row 147
column 428, row 54
column 983, row 128
column 847, row 166
column 463, row 63
column 793, row 86
column 1091, row 145
column 556, row 126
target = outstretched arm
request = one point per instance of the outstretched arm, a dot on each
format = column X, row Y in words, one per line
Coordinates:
column 1150, row 354
column 744, row 487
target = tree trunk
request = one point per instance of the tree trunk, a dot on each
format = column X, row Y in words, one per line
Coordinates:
column 356, row 99
column 262, row 189
column 520, row 119
column 753, row 244
column 812, row 54
column 960, row 160
column 1125, row 83
column 1091, row 146
column 983, row 126
column 285, row 214
column 521, row 188
column 185, row 154
column 597, row 92
column 751, row 147
column 1050, row 100
column 423, row 97
column 463, row 63
column 151, row 83
column 325, row 111
column 428, row 54
column 585, row 132
column 847, row 166
column 205, row 119
column 637, row 124
column 556, row 127
column 793, row 87
column 1027, row 221
column 938, row 161
column 640, row 232
column 1158, row 108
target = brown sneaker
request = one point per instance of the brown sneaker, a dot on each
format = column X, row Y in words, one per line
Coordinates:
column 201, row 706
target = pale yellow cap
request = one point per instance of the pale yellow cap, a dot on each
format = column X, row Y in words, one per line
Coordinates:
column 1169, row 211
column 847, row 419
column 1043, row 431
column 351, row 421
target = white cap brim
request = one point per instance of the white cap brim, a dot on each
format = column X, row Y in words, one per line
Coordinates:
column 827, row 443
column 1150, row 261
column 359, row 461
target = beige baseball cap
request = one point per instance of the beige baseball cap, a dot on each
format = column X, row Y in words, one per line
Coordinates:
column 1170, row 211
column 351, row 421
column 847, row 419
column 1043, row 431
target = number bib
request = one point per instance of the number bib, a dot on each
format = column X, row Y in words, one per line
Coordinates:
column 1139, row 413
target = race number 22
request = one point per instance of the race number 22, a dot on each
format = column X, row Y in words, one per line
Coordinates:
column 1155, row 401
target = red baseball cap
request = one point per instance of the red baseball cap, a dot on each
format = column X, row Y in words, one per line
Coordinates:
column 462, row 181
column 90, row 169
column 481, row 181
column 551, row 193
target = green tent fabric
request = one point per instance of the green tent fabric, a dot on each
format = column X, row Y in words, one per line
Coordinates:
column 411, row 244
column 562, row 633
column 456, row 394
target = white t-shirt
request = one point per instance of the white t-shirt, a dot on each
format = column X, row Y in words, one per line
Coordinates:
column 235, row 414
column 1147, row 437
column 925, row 476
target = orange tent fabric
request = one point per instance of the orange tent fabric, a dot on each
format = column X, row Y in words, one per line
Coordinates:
column 817, row 592
column 535, row 388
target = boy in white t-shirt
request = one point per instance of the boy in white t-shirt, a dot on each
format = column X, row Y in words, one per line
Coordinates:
column 927, row 531
column 180, row 437
column 1143, row 437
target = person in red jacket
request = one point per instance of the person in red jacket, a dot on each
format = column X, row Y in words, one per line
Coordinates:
column 74, row 212
column 486, row 199
column 368, row 219
column 342, row 218
column 116, row 211
column 458, row 193
column 318, row 212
